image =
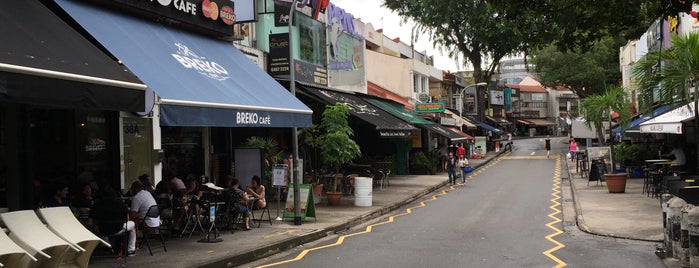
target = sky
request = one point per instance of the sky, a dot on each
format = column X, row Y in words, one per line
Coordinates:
column 371, row 11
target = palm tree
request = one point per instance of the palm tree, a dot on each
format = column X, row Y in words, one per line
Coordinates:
column 676, row 70
column 599, row 108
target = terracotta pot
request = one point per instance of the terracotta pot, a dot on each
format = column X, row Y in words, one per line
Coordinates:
column 334, row 198
column 616, row 183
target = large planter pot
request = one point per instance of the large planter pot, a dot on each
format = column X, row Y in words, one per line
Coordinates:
column 616, row 183
column 334, row 198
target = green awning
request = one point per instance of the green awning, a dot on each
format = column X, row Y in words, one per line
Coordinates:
column 399, row 112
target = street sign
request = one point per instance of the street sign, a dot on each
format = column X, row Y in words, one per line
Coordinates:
column 429, row 107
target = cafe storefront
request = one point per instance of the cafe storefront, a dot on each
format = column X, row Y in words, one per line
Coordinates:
column 61, row 105
column 209, row 96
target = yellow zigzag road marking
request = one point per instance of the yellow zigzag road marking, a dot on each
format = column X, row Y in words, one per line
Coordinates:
column 555, row 193
column 369, row 228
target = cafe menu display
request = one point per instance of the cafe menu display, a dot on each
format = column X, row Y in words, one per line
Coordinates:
column 307, row 205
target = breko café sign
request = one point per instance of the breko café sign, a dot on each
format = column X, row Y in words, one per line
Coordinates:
column 213, row 16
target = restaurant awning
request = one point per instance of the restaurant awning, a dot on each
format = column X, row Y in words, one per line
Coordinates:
column 498, row 120
column 633, row 126
column 445, row 132
column 484, row 125
column 461, row 133
column 44, row 61
column 201, row 81
column 524, row 122
column 670, row 122
column 418, row 121
column 460, row 120
column 399, row 112
column 386, row 124
column 539, row 122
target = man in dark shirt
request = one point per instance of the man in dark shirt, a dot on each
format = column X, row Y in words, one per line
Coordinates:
column 111, row 216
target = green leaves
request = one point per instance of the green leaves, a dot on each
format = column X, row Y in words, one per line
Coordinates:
column 336, row 146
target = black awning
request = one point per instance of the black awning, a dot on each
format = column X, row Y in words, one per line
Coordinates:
column 387, row 124
column 44, row 61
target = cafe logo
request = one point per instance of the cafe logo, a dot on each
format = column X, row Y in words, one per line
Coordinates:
column 190, row 60
column 227, row 15
column 209, row 9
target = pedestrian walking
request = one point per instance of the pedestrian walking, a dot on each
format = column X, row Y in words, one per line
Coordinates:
column 547, row 145
column 450, row 167
column 463, row 162
column 572, row 148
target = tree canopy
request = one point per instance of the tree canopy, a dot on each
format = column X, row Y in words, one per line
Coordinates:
column 488, row 30
column 586, row 72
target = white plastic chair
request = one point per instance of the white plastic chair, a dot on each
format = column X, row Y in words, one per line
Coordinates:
column 33, row 236
column 64, row 224
column 12, row 254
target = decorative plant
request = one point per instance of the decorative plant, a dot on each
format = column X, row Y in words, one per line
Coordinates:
column 272, row 155
column 310, row 143
column 336, row 146
column 598, row 109
column 419, row 163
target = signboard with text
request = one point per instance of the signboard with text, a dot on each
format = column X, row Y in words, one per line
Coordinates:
column 429, row 107
column 212, row 16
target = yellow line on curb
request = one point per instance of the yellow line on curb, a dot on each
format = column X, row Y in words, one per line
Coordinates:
column 555, row 220
column 390, row 219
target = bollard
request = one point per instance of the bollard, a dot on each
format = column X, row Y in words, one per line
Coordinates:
column 674, row 213
column 664, row 201
column 683, row 255
column 692, row 219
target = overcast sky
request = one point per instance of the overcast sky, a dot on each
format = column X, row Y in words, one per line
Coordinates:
column 373, row 12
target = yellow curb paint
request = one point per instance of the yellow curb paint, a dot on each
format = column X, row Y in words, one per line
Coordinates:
column 555, row 191
column 369, row 228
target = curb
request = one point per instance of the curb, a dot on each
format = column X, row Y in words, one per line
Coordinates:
column 580, row 220
column 269, row 250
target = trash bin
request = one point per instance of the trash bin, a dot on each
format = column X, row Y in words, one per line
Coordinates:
column 362, row 191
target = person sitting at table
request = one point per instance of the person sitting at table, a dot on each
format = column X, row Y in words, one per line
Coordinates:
column 677, row 156
column 140, row 203
column 83, row 203
column 111, row 215
column 59, row 197
column 176, row 184
column 145, row 179
column 241, row 195
column 257, row 190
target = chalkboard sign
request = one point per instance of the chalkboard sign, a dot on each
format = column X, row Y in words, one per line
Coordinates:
column 604, row 153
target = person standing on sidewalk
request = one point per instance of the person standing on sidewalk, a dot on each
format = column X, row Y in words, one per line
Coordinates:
column 572, row 148
column 463, row 162
column 450, row 167
column 547, row 145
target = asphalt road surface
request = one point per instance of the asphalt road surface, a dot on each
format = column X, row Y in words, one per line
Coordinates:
column 507, row 215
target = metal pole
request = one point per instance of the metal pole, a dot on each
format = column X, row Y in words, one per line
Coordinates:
column 294, row 131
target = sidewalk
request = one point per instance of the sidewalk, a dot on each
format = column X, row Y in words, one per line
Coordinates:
column 629, row 215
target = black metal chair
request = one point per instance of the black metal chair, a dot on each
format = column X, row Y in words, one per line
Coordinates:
column 145, row 229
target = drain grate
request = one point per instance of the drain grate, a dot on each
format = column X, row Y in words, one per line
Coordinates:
column 568, row 223
column 567, row 200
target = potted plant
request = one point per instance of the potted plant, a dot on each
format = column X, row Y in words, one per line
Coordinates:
column 599, row 109
column 336, row 146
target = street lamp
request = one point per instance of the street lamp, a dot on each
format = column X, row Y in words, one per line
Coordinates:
column 461, row 99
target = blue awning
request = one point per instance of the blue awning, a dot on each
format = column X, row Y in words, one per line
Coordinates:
column 483, row 125
column 633, row 126
column 201, row 81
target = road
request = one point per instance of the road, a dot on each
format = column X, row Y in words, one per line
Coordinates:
column 509, row 214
